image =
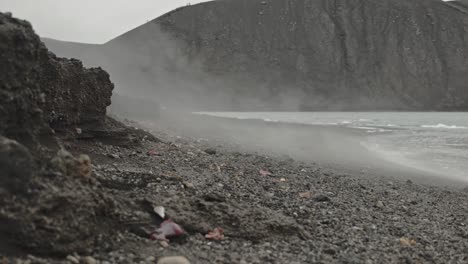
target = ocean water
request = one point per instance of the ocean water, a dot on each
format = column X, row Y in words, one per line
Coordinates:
column 430, row 141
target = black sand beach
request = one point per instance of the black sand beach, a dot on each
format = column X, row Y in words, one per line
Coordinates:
column 301, row 213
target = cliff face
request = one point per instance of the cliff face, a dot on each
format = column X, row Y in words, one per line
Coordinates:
column 47, row 200
column 306, row 54
column 39, row 90
column 20, row 100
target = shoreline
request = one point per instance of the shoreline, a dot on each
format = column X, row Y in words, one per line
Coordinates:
column 341, row 147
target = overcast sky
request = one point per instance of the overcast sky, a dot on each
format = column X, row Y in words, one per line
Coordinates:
column 89, row 21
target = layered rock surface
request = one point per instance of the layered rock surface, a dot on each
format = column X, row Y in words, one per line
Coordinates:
column 48, row 201
column 40, row 90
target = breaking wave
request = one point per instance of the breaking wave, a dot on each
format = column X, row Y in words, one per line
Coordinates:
column 443, row 126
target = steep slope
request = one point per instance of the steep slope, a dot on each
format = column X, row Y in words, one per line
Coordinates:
column 298, row 54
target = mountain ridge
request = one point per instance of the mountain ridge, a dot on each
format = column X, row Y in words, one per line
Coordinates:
column 296, row 55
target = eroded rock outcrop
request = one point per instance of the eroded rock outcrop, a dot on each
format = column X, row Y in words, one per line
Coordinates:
column 75, row 96
column 48, row 202
column 20, row 93
column 40, row 90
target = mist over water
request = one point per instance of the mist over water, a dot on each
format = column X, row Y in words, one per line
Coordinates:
column 431, row 142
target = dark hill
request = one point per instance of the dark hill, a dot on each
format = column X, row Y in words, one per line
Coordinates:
column 295, row 54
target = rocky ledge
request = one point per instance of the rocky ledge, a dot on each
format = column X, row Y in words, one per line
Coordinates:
column 49, row 203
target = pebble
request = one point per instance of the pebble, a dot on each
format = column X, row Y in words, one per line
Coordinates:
column 72, row 259
column 379, row 204
column 210, row 151
column 189, row 185
column 88, row 260
column 173, row 260
column 305, row 195
column 322, row 198
column 150, row 259
column 329, row 251
column 164, row 244
column 114, row 156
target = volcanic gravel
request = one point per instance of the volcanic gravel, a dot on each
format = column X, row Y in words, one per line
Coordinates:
column 301, row 213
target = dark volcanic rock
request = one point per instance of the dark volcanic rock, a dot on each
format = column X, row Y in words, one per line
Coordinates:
column 302, row 54
column 210, row 151
column 38, row 89
column 20, row 94
column 74, row 95
column 47, row 205
column 16, row 165
column 322, row 198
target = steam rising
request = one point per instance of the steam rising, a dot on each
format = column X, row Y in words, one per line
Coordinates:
column 150, row 64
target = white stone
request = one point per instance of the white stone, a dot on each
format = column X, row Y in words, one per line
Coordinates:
column 173, row 260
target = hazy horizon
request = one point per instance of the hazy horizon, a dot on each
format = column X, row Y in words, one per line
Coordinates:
column 103, row 20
